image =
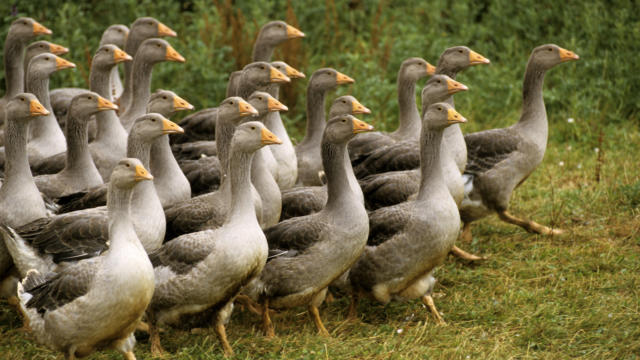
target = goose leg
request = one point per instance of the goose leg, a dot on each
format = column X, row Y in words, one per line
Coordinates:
column 13, row 301
column 154, row 338
column 266, row 320
column 222, row 336
column 529, row 225
column 466, row 235
column 220, row 319
column 427, row 300
column 353, row 307
column 246, row 301
column 142, row 326
column 129, row 355
column 315, row 314
column 456, row 251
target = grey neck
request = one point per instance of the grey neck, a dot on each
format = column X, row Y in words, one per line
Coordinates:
column 107, row 122
column 315, row 116
column 246, row 88
column 17, row 162
column 232, row 85
column 339, row 190
column 13, row 62
column 141, row 87
column 78, row 155
column 262, row 51
column 534, row 114
column 224, row 133
column 409, row 120
column 46, row 125
column 444, row 69
column 430, row 165
column 242, row 206
column 138, row 148
column 131, row 47
column 119, row 210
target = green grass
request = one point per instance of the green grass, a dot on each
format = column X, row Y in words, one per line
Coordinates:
column 536, row 297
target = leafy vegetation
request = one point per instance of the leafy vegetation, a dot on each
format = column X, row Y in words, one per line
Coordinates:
column 536, row 297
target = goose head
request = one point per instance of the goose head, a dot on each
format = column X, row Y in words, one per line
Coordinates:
column 550, row 55
column 328, row 79
column 415, row 68
column 343, row 128
column 287, row 70
column 88, row 103
column 116, row 35
column 234, row 109
column 43, row 46
column 439, row 87
column 25, row 29
column 347, row 104
column 251, row 136
column 25, row 106
column 46, row 64
column 149, row 127
column 158, row 50
column 276, row 32
column 458, row 58
column 128, row 172
column 261, row 74
column 107, row 56
column 440, row 115
column 166, row 102
column 148, row 27
column 263, row 102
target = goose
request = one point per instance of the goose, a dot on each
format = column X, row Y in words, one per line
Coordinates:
column 171, row 184
column 95, row 303
column 79, row 172
column 209, row 210
column 47, row 242
column 18, row 186
column 110, row 144
column 407, row 241
column 41, row 47
column 307, row 253
column 285, row 154
column 308, row 150
column 305, row 200
column 411, row 70
column 206, row 269
column 150, row 52
column 204, row 173
column 117, row 35
column 394, row 187
column 405, row 155
column 21, row 31
column 499, row 160
column 142, row 29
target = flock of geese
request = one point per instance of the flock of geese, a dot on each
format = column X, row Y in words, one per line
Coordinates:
column 128, row 221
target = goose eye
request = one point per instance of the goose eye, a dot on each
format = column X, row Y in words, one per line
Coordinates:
column 253, row 128
column 344, row 120
column 158, row 45
column 164, row 97
column 47, row 58
column 439, row 82
column 439, row 109
column 42, row 46
column 230, row 102
column 260, row 98
column 22, row 99
column 151, row 23
column 328, row 73
column 128, row 165
column 89, row 97
column 460, row 51
column 550, row 49
column 261, row 67
column 153, row 120
column 344, row 102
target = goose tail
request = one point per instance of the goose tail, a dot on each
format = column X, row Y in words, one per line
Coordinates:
column 24, row 256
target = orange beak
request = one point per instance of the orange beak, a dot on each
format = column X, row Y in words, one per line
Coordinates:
column 104, row 104
column 121, row 56
column 454, row 117
column 142, row 174
column 169, row 127
column 358, row 108
column 36, row 109
column 455, row 87
column 172, row 55
column 181, row 104
column 275, row 105
column 57, row 49
column 475, row 58
column 246, row 109
column 360, row 126
column 293, row 73
column 164, row 30
column 38, row 29
column 293, row 33
column 430, row 69
column 269, row 138
column 63, row 64
column 343, row 79
column 278, row 77
column 566, row 55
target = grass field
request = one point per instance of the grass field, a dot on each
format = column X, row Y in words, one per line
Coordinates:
column 536, row 297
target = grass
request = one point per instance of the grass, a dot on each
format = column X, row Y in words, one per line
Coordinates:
column 536, row 297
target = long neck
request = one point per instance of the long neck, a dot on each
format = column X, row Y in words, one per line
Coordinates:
column 43, row 126
column 337, row 179
column 262, row 51
column 141, row 85
column 534, row 114
column 107, row 122
column 38, row 85
column 13, row 59
column 409, row 120
column 445, row 69
column 78, row 155
column 138, row 148
column 133, row 43
column 17, row 162
column 224, row 133
column 242, row 206
column 315, row 115
column 119, row 210
column 430, row 164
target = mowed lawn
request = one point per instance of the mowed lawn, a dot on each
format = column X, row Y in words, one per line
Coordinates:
column 535, row 297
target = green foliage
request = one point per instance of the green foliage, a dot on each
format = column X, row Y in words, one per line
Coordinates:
column 368, row 39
